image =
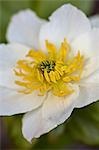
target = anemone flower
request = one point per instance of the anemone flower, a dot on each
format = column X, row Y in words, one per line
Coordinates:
column 48, row 68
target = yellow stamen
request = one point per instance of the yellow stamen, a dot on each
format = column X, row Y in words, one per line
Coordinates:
column 52, row 76
column 51, row 50
column 53, row 71
column 37, row 55
column 64, row 49
column 46, row 75
column 39, row 76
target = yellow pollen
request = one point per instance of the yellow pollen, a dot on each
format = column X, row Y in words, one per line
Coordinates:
column 53, row 71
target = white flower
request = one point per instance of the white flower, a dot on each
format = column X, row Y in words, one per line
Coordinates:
column 64, row 79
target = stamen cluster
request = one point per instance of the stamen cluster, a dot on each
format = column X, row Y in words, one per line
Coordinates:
column 50, row 72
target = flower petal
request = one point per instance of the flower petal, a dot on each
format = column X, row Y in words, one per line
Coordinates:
column 57, row 109
column 89, row 90
column 53, row 112
column 9, row 55
column 66, row 22
column 12, row 102
column 88, row 45
column 32, row 124
column 94, row 21
column 24, row 28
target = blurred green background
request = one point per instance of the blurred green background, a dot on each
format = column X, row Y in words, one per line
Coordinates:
column 43, row 8
column 82, row 128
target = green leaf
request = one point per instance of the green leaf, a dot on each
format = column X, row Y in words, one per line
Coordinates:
column 55, row 139
column 46, row 7
column 83, row 125
column 8, row 8
column 43, row 8
column 14, row 126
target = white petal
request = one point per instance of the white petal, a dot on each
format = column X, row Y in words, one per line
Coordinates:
column 54, row 111
column 66, row 22
column 57, row 109
column 94, row 21
column 9, row 55
column 24, row 28
column 88, row 45
column 32, row 123
column 89, row 90
column 12, row 102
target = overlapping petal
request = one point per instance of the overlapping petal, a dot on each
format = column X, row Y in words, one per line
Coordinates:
column 12, row 102
column 94, row 21
column 53, row 112
column 24, row 28
column 9, row 55
column 89, row 90
column 66, row 22
column 88, row 44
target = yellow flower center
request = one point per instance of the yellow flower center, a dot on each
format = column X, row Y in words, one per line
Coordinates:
column 55, row 71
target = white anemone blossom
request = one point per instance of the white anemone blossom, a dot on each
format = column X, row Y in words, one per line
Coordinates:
column 48, row 68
